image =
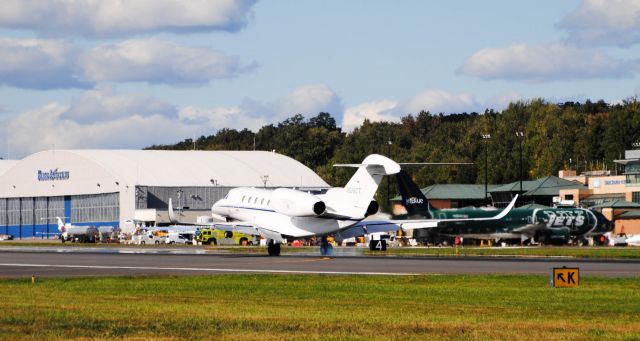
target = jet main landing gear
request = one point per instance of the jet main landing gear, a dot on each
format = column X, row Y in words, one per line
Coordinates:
column 273, row 248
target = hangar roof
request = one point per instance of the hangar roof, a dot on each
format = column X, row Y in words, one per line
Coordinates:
column 547, row 186
column 618, row 203
column 5, row 165
column 204, row 168
column 173, row 168
column 629, row 215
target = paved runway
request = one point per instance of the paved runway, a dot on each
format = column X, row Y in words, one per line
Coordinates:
column 26, row 263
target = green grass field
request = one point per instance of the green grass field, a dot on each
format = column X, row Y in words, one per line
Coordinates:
column 278, row 307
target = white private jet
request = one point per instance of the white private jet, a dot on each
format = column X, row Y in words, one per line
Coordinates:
column 287, row 213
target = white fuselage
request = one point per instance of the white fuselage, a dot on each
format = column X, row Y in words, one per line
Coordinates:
column 254, row 206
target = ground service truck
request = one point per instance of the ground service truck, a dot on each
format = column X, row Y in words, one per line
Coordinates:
column 218, row 237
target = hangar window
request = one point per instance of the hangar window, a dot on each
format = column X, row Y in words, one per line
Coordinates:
column 95, row 207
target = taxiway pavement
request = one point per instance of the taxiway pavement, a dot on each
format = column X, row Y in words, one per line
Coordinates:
column 53, row 262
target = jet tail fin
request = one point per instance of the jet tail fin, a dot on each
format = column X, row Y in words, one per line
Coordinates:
column 359, row 191
column 61, row 226
column 413, row 199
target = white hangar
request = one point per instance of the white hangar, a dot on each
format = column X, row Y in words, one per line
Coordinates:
column 110, row 187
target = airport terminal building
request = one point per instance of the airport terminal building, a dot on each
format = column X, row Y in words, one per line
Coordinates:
column 118, row 187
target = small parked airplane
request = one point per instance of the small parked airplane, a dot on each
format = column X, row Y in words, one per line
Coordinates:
column 284, row 213
column 70, row 232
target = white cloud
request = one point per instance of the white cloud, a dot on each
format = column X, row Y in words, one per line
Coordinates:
column 51, row 127
column 38, row 64
column 537, row 63
column 99, row 118
column 103, row 118
column 53, row 64
column 157, row 62
column 310, row 100
column 501, row 101
column 385, row 110
column 222, row 117
column 433, row 101
column 439, row 101
column 105, row 104
column 604, row 22
column 99, row 18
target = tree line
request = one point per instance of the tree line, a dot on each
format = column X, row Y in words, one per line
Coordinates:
column 571, row 135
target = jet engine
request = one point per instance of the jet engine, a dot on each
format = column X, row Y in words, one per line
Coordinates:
column 296, row 203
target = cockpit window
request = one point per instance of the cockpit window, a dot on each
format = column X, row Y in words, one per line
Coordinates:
column 243, row 198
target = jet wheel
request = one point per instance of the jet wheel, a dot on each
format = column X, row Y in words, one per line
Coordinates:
column 273, row 249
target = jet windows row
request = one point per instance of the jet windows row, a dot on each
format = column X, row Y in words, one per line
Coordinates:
column 254, row 200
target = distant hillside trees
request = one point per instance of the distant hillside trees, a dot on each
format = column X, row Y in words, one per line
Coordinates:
column 581, row 136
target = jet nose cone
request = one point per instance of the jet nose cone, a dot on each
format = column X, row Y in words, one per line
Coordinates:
column 216, row 206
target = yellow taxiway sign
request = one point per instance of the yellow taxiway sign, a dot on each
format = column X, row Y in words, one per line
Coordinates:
column 565, row 277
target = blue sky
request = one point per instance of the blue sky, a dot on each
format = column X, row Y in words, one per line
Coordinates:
column 128, row 74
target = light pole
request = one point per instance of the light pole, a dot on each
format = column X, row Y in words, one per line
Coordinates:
column 388, row 182
column 179, row 194
column 520, row 136
column 486, row 138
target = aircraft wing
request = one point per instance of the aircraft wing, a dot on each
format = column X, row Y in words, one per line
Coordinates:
column 413, row 224
column 247, row 228
column 372, row 226
column 530, row 229
column 367, row 227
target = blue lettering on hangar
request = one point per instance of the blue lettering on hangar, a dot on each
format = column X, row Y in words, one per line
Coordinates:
column 52, row 175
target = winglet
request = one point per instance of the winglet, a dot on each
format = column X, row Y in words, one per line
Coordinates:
column 506, row 210
column 382, row 164
column 172, row 215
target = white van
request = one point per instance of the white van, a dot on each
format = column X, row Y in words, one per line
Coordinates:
column 178, row 238
column 147, row 238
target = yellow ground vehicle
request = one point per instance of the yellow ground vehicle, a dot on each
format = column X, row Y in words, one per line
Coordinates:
column 218, row 237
